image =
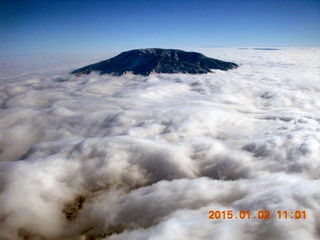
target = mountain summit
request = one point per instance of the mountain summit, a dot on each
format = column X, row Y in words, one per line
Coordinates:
column 146, row 61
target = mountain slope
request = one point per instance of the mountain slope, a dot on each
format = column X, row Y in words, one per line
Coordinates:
column 146, row 61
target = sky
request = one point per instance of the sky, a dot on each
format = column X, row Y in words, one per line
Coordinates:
column 70, row 26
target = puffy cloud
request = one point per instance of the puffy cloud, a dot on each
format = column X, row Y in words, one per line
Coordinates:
column 133, row 157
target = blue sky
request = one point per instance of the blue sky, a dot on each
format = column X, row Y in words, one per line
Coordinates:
column 70, row 26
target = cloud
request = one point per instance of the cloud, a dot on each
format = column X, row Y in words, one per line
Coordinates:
column 133, row 157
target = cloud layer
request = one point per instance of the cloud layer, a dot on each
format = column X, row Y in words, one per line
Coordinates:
column 133, row 157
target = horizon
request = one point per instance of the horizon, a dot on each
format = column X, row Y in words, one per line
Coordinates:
column 112, row 53
column 82, row 27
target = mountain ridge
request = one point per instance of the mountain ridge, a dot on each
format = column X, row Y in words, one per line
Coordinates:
column 156, row 60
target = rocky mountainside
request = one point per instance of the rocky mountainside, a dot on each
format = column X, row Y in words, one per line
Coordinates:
column 156, row 60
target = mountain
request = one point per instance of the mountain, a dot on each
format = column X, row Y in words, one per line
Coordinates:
column 146, row 61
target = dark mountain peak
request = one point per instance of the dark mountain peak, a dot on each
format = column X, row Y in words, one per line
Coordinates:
column 157, row 60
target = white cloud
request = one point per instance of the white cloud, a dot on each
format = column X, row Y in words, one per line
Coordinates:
column 135, row 157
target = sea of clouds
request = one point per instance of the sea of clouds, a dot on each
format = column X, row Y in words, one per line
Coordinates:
column 134, row 157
